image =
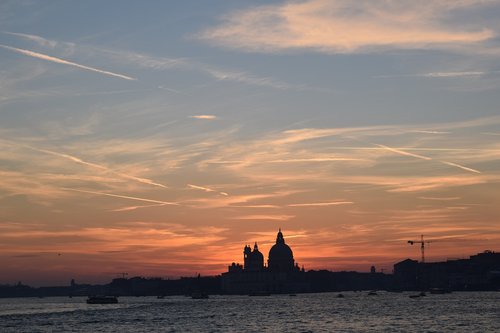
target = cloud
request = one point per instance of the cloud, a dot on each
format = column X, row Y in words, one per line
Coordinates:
column 161, row 64
column 204, row 116
column 459, row 74
column 37, row 39
column 206, row 189
column 316, row 159
column 264, row 217
column 452, row 74
column 461, row 167
column 65, row 62
column 343, row 26
column 93, row 165
column 123, row 197
column 402, row 152
column 440, row 198
column 321, row 204
column 220, row 74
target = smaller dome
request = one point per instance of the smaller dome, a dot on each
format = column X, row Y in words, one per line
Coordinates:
column 256, row 253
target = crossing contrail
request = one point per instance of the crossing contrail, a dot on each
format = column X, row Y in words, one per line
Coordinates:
column 64, row 62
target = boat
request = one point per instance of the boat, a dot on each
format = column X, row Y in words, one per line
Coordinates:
column 438, row 291
column 102, row 300
column 415, row 296
column 340, row 295
column 372, row 293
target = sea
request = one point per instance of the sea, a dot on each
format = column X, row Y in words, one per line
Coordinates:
column 324, row 312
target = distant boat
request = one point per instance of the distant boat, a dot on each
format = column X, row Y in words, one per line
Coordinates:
column 340, row 295
column 436, row 291
column 372, row 293
column 415, row 296
column 102, row 300
column 199, row 295
column 160, row 297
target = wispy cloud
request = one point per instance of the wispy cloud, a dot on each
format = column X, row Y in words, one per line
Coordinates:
column 206, row 189
column 123, row 196
column 64, row 62
column 429, row 132
column 452, row 74
column 218, row 73
column 316, row 159
column 321, row 204
column 264, row 217
column 440, row 198
column 204, row 116
column 37, row 39
column 402, row 152
column 157, row 63
column 461, row 167
column 90, row 164
column 343, row 26
column 129, row 208
column 443, row 74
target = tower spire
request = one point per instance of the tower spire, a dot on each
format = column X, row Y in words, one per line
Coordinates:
column 279, row 237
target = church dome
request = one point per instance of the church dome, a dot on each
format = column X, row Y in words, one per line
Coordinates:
column 280, row 251
column 280, row 255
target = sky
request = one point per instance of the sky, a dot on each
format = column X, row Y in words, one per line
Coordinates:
column 157, row 138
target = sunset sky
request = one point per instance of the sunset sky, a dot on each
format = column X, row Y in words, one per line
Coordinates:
column 158, row 138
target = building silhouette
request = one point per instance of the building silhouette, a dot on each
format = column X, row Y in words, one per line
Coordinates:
column 479, row 272
column 281, row 275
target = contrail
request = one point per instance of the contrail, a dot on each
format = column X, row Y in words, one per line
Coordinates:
column 78, row 160
column 64, row 62
column 402, row 152
column 122, row 196
column 90, row 164
column 334, row 203
column 123, row 209
column 461, row 167
column 206, row 189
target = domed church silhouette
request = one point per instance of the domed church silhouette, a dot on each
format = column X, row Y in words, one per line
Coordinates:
column 281, row 275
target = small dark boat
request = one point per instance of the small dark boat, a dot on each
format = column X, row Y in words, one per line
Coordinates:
column 102, row 300
column 160, row 297
column 415, row 296
column 340, row 295
column 438, row 291
column 372, row 293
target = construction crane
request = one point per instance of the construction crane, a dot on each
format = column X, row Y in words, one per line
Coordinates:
column 422, row 245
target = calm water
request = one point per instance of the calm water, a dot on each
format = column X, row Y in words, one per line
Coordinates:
column 357, row 312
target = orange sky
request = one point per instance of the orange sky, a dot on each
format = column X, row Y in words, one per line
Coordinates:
column 152, row 143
